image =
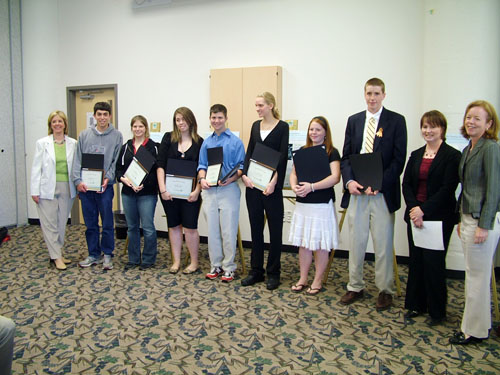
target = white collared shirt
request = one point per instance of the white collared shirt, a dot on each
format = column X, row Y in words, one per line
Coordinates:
column 369, row 115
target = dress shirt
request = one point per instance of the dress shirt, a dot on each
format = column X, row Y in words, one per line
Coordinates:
column 233, row 151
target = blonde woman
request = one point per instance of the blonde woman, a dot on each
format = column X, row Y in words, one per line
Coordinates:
column 51, row 188
column 273, row 133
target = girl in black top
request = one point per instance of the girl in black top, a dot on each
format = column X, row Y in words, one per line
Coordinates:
column 314, row 226
column 182, row 143
column 139, row 203
column 273, row 133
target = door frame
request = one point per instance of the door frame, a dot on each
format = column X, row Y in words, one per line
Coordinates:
column 71, row 93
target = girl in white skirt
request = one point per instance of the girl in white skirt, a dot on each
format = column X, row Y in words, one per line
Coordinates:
column 314, row 226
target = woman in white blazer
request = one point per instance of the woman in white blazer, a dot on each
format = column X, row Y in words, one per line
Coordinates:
column 51, row 187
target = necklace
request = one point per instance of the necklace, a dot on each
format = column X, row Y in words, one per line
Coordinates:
column 59, row 142
column 183, row 150
column 429, row 154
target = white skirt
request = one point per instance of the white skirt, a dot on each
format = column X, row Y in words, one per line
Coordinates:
column 314, row 226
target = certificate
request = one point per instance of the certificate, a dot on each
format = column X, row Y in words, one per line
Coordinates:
column 213, row 173
column 93, row 178
column 260, row 174
column 136, row 173
column 178, row 186
column 430, row 236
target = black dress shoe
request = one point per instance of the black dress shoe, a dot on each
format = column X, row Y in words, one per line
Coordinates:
column 436, row 321
column 412, row 314
column 143, row 267
column 252, row 279
column 459, row 338
column 273, row 283
column 129, row 266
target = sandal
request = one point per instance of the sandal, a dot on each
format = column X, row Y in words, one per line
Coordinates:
column 173, row 270
column 188, row 271
column 313, row 291
column 298, row 288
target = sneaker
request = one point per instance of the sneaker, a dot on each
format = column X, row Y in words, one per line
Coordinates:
column 214, row 273
column 108, row 263
column 89, row 261
column 228, row 276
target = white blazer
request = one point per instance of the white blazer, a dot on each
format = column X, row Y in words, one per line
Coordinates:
column 43, row 171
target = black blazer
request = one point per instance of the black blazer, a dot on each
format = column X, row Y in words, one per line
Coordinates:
column 277, row 140
column 392, row 145
column 442, row 182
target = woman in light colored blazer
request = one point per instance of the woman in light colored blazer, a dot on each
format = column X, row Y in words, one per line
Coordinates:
column 51, row 188
column 479, row 227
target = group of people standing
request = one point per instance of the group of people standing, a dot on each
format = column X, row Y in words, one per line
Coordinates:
column 429, row 183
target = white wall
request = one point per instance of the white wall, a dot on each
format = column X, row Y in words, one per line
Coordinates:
column 160, row 57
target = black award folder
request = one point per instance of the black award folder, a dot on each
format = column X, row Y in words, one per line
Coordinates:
column 262, row 165
column 180, row 177
column 92, row 173
column 181, row 167
column 92, row 161
column 368, row 169
column 311, row 164
column 145, row 158
column 266, row 155
column 230, row 173
column 215, row 159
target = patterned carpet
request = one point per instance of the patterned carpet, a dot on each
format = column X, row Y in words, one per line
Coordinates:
column 90, row 321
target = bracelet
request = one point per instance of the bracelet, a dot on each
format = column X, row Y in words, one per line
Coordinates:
column 162, row 192
column 312, row 188
column 201, row 178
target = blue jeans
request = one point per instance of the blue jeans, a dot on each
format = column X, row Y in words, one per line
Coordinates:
column 140, row 209
column 93, row 205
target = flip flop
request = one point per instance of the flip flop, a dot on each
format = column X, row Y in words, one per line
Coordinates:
column 313, row 291
column 173, row 270
column 187, row 271
column 299, row 286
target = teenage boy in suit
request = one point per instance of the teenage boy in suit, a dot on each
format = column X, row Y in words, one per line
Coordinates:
column 221, row 203
column 374, row 130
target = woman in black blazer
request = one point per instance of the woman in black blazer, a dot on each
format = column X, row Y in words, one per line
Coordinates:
column 429, row 184
column 273, row 133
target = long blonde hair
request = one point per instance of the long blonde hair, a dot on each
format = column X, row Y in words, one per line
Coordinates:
column 270, row 100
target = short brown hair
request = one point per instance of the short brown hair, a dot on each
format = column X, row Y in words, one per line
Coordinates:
column 492, row 132
column 62, row 115
column 435, row 118
column 143, row 121
column 376, row 82
column 188, row 116
column 216, row 108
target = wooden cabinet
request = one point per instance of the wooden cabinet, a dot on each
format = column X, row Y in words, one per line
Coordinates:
column 237, row 89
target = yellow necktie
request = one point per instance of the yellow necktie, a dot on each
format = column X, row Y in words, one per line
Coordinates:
column 370, row 135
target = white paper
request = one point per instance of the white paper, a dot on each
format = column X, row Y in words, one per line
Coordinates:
column 430, row 236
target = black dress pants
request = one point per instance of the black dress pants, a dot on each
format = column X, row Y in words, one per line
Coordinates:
column 426, row 287
column 272, row 205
